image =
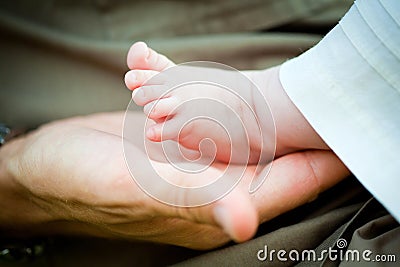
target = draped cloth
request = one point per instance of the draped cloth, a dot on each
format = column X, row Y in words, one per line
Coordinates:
column 351, row 80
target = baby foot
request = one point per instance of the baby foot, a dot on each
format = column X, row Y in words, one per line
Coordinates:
column 226, row 126
column 241, row 129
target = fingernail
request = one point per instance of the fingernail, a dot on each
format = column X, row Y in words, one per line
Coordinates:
column 130, row 80
column 138, row 93
column 151, row 133
column 221, row 216
column 132, row 76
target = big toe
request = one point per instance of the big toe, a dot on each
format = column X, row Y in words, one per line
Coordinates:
column 140, row 56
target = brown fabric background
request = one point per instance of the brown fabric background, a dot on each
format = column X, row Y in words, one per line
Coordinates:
column 63, row 58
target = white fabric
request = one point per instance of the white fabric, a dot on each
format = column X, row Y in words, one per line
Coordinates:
column 348, row 88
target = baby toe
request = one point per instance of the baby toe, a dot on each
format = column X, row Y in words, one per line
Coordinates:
column 136, row 78
column 162, row 131
column 140, row 56
column 150, row 93
column 161, row 108
column 137, row 56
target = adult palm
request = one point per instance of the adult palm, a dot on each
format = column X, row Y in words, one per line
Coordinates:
column 70, row 176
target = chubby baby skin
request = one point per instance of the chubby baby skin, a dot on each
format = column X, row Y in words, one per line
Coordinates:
column 288, row 133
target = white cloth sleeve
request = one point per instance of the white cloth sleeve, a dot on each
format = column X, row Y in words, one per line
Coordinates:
column 348, row 88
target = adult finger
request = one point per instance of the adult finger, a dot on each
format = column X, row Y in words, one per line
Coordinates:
column 296, row 179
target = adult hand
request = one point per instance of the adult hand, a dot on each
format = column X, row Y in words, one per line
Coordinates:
column 70, row 176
